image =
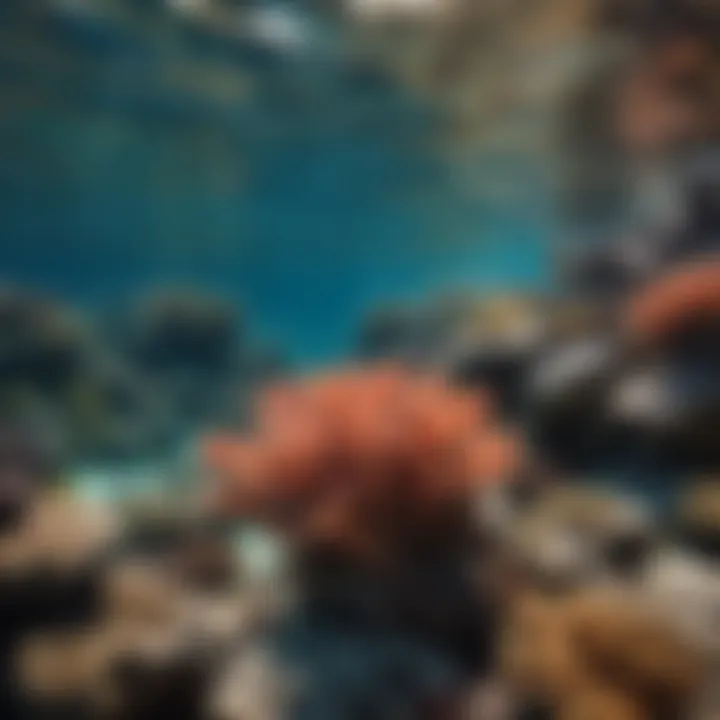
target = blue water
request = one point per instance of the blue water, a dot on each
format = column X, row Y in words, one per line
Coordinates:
column 319, row 198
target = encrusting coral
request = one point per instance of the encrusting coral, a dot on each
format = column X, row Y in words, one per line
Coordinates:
column 372, row 462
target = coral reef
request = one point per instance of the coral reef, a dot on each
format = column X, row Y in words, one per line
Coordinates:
column 152, row 642
column 371, row 475
column 598, row 655
column 668, row 395
column 676, row 303
column 310, row 668
column 566, row 391
column 183, row 330
column 454, row 544
column 193, row 354
column 480, row 342
column 639, row 382
column 372, row 462
column 43, row 345
column 684, row 577
column 50, row 577
column 173, row 362
column 573, row 536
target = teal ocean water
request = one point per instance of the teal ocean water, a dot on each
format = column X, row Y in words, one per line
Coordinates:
column 309, row 192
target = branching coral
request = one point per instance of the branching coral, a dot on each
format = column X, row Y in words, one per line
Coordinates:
column 675, row 301
column 370, row 461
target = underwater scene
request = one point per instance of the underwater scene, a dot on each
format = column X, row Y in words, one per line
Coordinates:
column 359, row 360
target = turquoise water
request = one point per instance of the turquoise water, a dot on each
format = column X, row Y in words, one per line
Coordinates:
column 312, row 199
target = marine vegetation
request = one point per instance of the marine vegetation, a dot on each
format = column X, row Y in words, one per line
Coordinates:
column 375, row 462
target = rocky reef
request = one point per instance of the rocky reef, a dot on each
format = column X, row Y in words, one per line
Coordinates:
column 173, row 363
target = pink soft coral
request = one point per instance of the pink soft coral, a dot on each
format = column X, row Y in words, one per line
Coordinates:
column 372, row 461
column 675, row 301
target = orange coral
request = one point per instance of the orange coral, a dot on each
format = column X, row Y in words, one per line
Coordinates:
column 674, row 301
column 368, row 460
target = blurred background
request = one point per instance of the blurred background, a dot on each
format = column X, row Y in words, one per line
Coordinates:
column 285, row 169
column 276, row 153
column 203, row 202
